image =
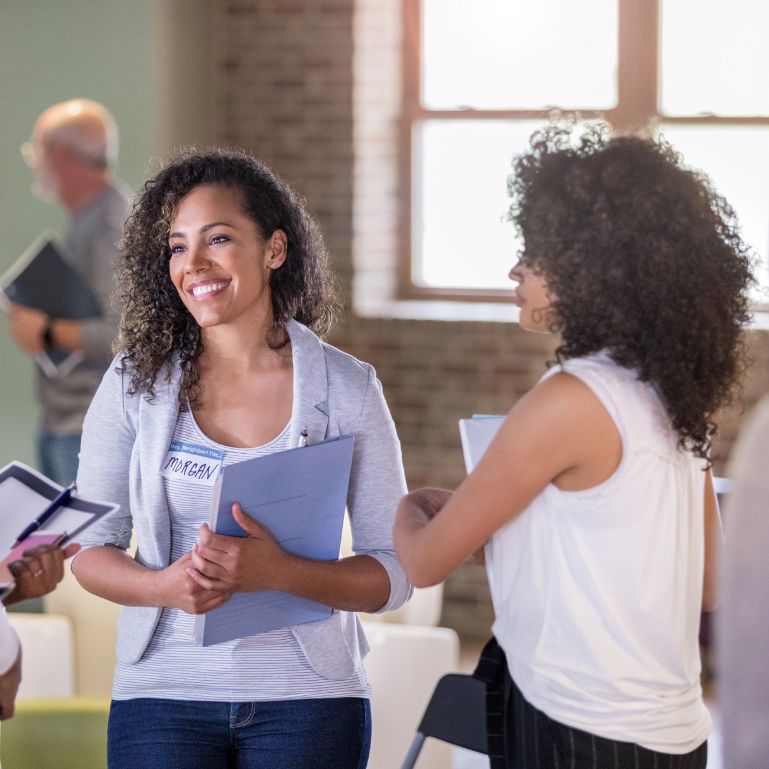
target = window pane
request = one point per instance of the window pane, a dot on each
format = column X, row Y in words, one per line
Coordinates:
column 713, row 57
column 516, row 54
column 460, row 236
column 736, row 158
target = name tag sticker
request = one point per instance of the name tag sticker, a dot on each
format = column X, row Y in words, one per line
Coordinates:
column 193, row 463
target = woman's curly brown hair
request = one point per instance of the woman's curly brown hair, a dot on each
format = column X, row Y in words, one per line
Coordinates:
column 644, row 259
column 155, row 325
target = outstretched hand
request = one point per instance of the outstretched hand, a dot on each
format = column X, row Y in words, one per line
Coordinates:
column 429, row 500
column 38, row 571
column 238, row 564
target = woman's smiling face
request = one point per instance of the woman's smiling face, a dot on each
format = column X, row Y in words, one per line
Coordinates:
column 220, row 262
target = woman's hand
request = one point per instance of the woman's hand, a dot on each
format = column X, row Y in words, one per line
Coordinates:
column 429, row 500
column 238, row 564
column 38, row 571
column 178, row 590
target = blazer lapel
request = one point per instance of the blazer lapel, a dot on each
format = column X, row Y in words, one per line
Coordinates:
column 309, row 406
column 159, row 422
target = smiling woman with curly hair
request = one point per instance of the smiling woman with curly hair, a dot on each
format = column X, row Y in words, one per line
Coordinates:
column 155, row 322
column 225, row 282
column 595, row 500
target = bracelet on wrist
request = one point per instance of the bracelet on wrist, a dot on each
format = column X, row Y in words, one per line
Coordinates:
column 48, row 334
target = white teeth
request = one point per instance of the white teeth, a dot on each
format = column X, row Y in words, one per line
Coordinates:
column 208, row 288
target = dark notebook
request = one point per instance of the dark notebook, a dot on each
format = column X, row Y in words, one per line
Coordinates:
column 43, row 279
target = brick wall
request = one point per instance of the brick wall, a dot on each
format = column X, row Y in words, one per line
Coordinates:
column 283, row 79
column 312, row 88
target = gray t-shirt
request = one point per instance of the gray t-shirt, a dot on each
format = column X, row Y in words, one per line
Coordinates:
column 92, row 241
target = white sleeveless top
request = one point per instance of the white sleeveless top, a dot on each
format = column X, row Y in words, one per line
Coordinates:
column 597, row 593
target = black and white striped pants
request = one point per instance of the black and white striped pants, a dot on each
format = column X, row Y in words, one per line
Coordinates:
column 522, row 737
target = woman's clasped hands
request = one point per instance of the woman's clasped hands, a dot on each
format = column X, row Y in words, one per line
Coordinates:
column 220, row 565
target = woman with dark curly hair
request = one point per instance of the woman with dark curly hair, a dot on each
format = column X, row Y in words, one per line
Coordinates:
column 595, row 500
column 224, row 281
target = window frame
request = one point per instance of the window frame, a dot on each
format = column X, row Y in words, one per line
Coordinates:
column 637, row 108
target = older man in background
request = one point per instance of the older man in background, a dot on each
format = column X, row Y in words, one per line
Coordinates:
column 73, row 151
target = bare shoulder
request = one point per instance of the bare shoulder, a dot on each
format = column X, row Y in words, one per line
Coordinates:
column 564, row 423
column 564, row 397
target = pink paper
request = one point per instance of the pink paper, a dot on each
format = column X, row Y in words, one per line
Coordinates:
column 33, row 540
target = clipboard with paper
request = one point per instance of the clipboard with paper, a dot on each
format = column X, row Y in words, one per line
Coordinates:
column 24, row 495
column 300, row 496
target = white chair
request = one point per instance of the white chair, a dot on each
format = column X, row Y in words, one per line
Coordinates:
column 48, row 655
column 403, row 666
column 408, row 656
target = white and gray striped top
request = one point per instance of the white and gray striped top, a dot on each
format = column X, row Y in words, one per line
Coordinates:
column 269, row 666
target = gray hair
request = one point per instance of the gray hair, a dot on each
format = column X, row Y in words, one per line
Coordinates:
column 85, row 126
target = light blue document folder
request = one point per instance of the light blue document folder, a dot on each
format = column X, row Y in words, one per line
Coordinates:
column 300, row 496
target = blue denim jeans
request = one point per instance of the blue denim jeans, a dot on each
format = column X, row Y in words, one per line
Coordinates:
column 291, row 734
column 58, row 456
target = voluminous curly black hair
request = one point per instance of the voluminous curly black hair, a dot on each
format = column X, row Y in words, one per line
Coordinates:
column 644, row 259
column 155, row 325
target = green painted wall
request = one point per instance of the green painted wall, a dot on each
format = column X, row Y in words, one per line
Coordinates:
column 51, row 50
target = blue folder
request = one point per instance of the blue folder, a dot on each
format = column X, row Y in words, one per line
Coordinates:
column 300, row 496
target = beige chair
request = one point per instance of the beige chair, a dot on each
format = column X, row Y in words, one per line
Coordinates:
column 409, row 654
column 403, row 667
column 48, row 655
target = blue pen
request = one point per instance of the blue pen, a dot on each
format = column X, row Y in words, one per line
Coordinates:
column 59, row 501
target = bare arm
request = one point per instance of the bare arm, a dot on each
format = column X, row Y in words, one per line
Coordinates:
column 541, row 441
column 28, row 324
column 358, row 583
column 10, row 665
column 9, row 685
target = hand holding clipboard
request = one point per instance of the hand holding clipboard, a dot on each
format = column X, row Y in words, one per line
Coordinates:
column 35, row 514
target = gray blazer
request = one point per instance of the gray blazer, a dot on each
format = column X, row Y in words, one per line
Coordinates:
column 125, row 440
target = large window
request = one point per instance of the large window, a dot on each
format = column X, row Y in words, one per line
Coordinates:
column 481, row 75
